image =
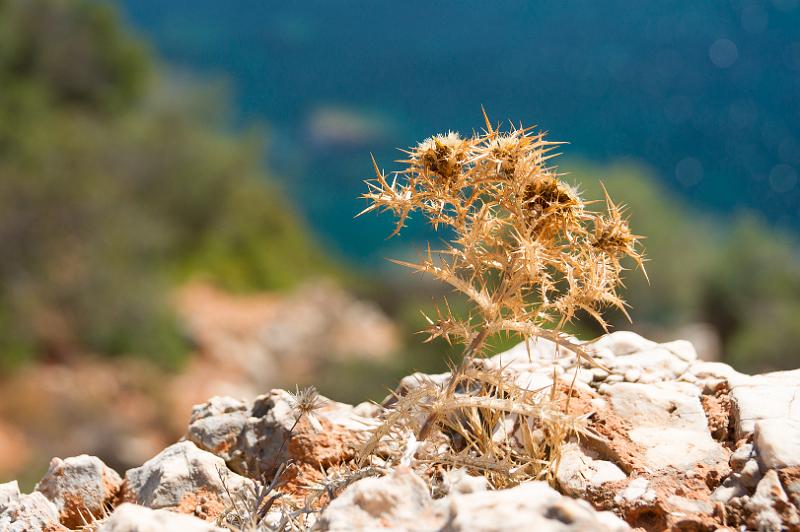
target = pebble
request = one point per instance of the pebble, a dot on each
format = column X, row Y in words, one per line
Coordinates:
column 741, row 455
column 598, row 403
column 633, row 375
column 637, row 489
column 750, row 474
column 778, row 442
column 682, row 349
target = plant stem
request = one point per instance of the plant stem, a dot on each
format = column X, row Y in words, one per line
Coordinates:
column 472, row 349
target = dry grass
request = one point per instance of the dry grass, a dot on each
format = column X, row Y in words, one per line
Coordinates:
column 489, row 426
column 91, row 522
column 261, row 511
column 249, row 511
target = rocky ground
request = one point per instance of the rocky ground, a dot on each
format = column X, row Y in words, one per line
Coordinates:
column 125, row 410
column 675, row 443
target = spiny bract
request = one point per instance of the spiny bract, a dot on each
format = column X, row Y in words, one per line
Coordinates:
column 527, row 250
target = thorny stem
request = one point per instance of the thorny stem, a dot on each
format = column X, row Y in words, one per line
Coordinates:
column 263, row 506
column 288, row 436
column 474, row 347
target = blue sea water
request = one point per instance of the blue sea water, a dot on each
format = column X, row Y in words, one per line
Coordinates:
column 705, row 92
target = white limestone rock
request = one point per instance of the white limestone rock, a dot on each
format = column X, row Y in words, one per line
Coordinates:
column 778, row 442
column 637, row 491
column 578, row 375
column 633, row 375
column 693, row 506
column 133, row 518
column 31, row 513
column 640, row 360
column 529, row 506
column 682, row 349
column 248, row 436
column 668, row 420
column 178, row 476
column 417, row 379
column 741, row 455
column 768, row 396
column 578, row 471
column 217, row 406
column 750, row 474
column 459, row 481
column 541, row 380
column 9, row 494
column 727, row 491
column 623, row 343
column 399, row 501
column 653, row 365
column 715, row 370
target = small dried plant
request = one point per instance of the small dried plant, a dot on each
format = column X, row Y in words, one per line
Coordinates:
column 526, row 250
column 91, row 521
column 490, row 426
column 247, row 512
column 529, row 254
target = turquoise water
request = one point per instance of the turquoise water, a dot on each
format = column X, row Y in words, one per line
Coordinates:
column 704, row 92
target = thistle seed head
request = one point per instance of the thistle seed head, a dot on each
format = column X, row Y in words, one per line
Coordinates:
column 527, row 251
column 305, row 402
column 441, row 155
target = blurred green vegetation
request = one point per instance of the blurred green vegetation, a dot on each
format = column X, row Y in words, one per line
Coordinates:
column 117, row 182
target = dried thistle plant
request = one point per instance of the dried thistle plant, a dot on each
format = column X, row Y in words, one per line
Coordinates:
column 490, row 426
column 526, row 250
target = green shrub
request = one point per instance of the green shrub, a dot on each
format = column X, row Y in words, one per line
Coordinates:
column 116, row 184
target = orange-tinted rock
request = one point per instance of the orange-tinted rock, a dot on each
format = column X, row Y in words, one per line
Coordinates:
column 81, row 487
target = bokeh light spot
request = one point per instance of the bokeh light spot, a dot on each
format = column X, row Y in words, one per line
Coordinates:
column 754, row 19
column 723, row 53
column 689, row 171
column 782, row 178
